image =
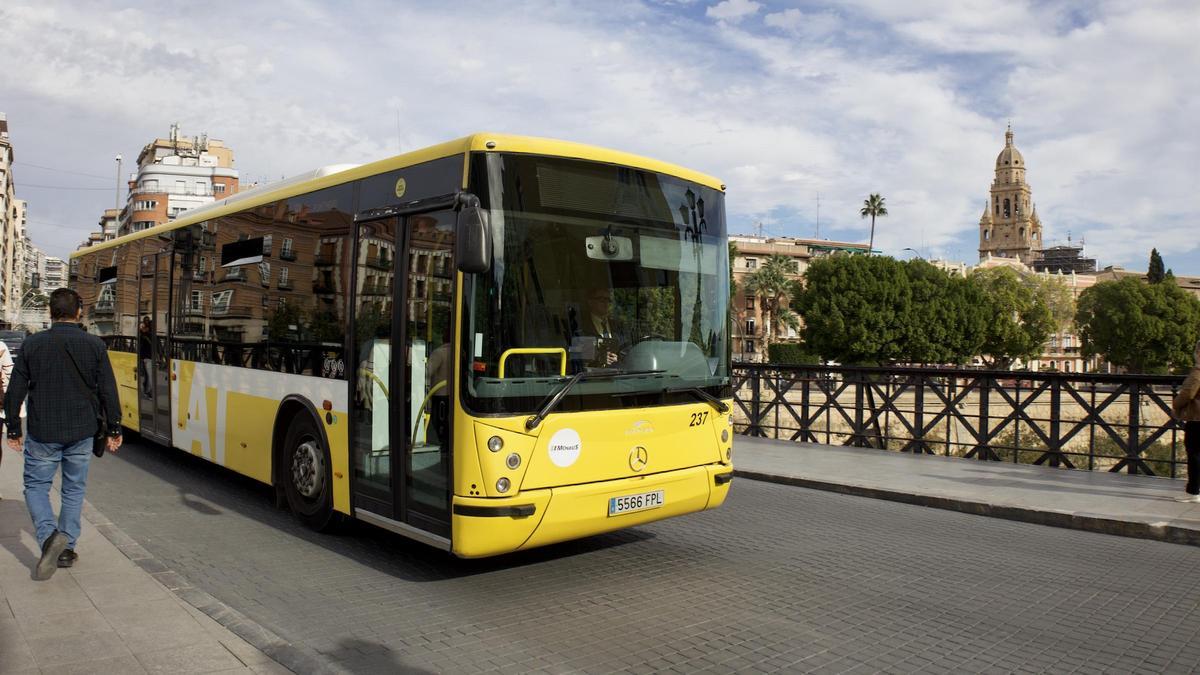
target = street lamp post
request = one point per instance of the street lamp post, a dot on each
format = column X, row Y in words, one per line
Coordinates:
column 915, row 252
column 117, row 200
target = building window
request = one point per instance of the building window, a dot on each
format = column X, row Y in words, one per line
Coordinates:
column 749, row 346
column 267, row 244
column 283, row 276
column 749, row 302
column 197, row 301
column 264, row 271
column 1007, row 208
column 749, row 326
column 220, row 302
column 751, row 263
column 218, row 188
column 145, row 205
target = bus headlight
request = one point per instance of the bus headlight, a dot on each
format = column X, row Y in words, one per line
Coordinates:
column 502, row 485
column 495, row 444
column 513, row 461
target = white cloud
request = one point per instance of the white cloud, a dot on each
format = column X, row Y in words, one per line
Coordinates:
column 733, row 10
column 810, row 24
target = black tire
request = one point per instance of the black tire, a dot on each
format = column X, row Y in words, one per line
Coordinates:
column 307, row 476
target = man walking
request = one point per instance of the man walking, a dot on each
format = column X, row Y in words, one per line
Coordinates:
column 62, row 422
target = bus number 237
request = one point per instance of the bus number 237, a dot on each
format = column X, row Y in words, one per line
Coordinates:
column 699, row 418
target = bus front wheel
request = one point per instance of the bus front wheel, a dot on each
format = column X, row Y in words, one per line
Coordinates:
column 307, row 476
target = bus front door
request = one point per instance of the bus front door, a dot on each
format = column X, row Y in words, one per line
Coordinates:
column 154, row 391
column 404, row 295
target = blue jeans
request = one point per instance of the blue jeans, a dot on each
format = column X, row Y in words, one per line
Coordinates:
column 41, row 463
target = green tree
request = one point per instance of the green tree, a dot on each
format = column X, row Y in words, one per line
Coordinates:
column 946, row 320
column 1057, row 296
column 791, row 354
column 285, row 323
column 772, row 284
column 854, row 307
column 1143, row 328
column 873, row 206
column 1021, row 319
column 1155, row 274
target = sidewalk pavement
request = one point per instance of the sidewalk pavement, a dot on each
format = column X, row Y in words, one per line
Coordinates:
column 1121, row 504
column 107, row 614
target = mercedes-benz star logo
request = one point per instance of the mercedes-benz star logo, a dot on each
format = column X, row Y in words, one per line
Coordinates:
column 638, row 458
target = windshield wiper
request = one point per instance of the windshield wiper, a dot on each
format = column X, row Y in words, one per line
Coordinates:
column 717, row 403
column 553, row 400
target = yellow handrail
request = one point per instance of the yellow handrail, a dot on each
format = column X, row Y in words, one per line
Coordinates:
column 425, row 417
column 373, row 376
column 535, row 350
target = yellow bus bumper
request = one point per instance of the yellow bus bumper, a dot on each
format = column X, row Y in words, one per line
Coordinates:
column 483, row 527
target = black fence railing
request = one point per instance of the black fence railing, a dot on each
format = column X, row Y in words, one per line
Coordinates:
column 1073, row 420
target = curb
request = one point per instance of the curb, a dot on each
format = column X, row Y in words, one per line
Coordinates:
column 1162, row 531
column 294, row 658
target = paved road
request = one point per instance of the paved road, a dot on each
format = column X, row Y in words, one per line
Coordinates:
column 779, row 579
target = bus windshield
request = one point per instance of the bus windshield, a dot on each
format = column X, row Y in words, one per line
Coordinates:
column 596, row 268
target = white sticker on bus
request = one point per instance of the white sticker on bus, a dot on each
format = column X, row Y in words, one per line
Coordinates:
column 564, row 447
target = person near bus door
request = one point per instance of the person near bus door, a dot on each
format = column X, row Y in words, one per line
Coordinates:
column 145, row 354
column 1187, row 408
column 62, row 423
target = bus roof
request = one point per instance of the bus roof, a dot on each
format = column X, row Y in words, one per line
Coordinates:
column 342, row 173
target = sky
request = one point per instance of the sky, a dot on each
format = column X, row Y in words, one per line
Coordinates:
column 802, row 108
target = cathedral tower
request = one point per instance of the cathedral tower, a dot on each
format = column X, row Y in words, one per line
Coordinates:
column 1010, row 227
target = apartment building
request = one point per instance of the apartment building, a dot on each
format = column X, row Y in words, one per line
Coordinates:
column 174, row 174
column 750, row 334
column 12, row 227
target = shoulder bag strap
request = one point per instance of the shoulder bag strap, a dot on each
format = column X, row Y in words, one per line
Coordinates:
column 82, row 384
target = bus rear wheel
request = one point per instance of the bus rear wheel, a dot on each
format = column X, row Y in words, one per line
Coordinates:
column 307, row 475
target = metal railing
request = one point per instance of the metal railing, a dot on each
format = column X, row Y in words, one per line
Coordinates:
column 1073, row 420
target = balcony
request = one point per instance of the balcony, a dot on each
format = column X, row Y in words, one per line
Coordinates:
column 186, row 192
column 379, row 262
column 234, row 274
column 287, row 254
column 285, row 285
column 325, row 259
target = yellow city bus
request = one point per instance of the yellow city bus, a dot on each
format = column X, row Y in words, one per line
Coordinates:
column 562, row 313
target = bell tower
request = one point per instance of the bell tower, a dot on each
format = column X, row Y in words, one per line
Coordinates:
column 1009, row 227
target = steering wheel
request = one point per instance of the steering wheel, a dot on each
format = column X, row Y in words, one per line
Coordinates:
column 644, row 338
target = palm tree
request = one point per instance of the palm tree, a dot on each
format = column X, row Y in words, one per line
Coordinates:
column 873, row 206
column 772, row 284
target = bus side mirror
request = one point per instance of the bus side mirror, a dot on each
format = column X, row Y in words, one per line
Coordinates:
column 473, row 246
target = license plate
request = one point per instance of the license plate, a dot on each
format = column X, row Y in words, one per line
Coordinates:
column 638, row 502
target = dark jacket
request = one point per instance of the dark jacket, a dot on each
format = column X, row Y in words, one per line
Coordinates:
column 59, row 410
